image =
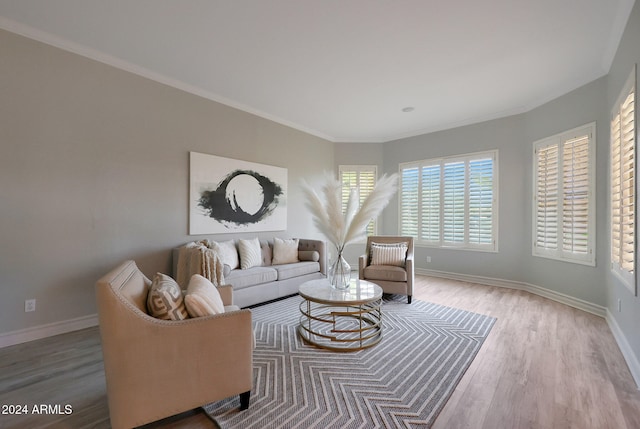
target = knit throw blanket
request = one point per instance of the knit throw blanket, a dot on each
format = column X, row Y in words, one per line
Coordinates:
column 197, row 258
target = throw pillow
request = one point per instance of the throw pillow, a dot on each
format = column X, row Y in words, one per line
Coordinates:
column 226, row 269
column 267, row 253
column 285, row 251
column 250, row 253
column 202, row 298
column 227, row 252
column 309, row 255
column 388, row 254
column 164, row 300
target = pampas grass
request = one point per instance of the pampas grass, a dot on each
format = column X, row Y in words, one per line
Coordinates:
column 342, row 229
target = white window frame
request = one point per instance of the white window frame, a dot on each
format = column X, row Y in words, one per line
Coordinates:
column 440, row 162
column 627, row 277
column 358, row 169
column 559, row 252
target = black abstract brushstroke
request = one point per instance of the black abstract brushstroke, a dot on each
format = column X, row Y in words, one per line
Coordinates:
column 217, row 206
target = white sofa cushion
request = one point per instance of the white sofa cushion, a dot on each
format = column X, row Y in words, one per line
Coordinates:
column 241, row 279
column 298, row 269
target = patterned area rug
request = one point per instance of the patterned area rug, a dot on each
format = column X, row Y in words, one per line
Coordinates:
column 402, row 382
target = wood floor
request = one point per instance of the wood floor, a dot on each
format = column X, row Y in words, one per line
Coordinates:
column 544, row 365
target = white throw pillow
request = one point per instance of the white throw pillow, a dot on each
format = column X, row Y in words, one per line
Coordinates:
column 285, row 251
column 250, row 253
column 227, row 252
column 388, row 254
column 202, row 298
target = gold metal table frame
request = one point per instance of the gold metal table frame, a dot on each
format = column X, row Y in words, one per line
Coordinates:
column 341, row 320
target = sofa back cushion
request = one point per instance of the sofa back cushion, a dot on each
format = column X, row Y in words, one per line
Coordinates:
column 227, row 252
column 267, row 253
column 250, row 253
column 388, row 254
column 285, row 251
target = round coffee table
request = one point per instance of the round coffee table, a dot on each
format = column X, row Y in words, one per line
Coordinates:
column 341, row 320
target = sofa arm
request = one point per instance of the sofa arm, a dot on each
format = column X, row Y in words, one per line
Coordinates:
column 226, row 293
column 320, row 247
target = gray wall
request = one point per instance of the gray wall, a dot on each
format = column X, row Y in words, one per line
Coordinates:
column 94, row 170
column 579, row 107
column 513, row 137
column 506, row 135
column 628, row 54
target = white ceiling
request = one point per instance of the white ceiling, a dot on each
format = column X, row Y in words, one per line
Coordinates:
column 344, row 69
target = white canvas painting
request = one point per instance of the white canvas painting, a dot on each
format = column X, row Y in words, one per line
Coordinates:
column 228, row 195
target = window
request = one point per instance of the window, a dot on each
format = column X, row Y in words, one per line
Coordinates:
column 564, row 196
column 451, row 202
column 623, row 158
column 363, row 179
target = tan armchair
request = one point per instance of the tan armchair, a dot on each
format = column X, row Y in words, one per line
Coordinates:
column 392, row 279
column 157, row 368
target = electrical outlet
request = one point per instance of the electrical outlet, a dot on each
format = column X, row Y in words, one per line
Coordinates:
column 428, row 259
column 29, row 305
column 619, row 305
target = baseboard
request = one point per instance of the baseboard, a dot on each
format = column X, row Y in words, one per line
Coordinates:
column 625, row 348
column 48, row 330
column 580, row 304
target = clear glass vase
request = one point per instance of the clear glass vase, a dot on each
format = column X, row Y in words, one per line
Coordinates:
column 339, row 272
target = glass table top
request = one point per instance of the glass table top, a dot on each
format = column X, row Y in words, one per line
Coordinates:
column 358, row 292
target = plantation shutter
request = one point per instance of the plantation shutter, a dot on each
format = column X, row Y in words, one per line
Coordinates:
column 430, row 219
column 349, row 180
column 575, row 204
column 616, row 194
column 454, row 202
column 363, row 179
column 481, row 201
column 450, row 202
column 623, row 143
column 547, row 197
column 366, row 183
column 409, row 199
column 564, row 196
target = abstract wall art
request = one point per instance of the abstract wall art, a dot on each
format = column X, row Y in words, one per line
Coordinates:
column 229, row 195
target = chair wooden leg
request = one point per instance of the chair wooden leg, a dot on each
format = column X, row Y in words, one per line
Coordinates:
column 244, row 400
column 408, row 299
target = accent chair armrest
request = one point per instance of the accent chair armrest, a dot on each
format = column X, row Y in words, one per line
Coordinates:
column 362, row 264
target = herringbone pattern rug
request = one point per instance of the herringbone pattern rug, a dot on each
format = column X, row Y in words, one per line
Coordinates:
column 402, row 382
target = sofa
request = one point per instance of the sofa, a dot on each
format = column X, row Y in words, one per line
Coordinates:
column 267, row 279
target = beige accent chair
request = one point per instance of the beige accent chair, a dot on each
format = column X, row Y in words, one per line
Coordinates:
column 391, row 279
column 157, row 368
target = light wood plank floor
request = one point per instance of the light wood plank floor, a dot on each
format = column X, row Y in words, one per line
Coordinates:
column 544, row 365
